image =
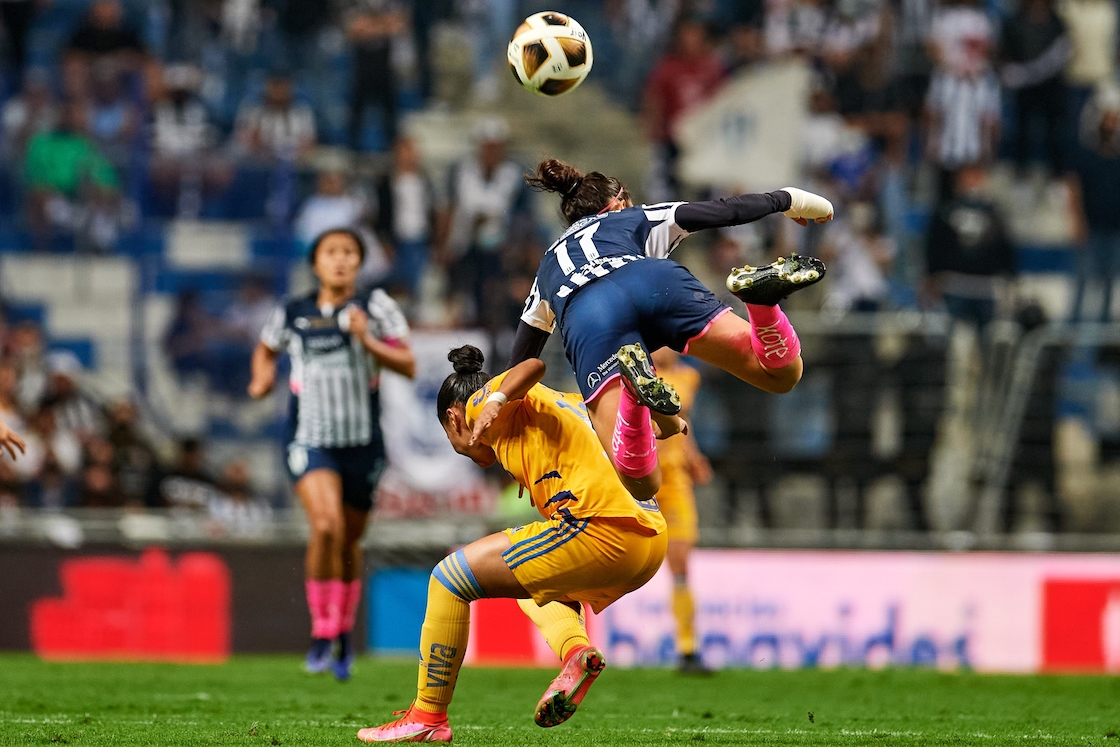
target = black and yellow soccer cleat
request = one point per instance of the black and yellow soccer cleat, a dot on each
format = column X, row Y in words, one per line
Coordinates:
column 638, row 376
column 770, row 284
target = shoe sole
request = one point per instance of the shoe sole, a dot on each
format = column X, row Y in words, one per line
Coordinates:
column 775, row 281
column 557, row 706
column 650, row 389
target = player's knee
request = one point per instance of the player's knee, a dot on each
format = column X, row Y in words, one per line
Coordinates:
column 645, row 488
column 326, row 528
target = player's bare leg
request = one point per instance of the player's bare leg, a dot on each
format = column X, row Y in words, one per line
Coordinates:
column 764, row 351
column 320, row 493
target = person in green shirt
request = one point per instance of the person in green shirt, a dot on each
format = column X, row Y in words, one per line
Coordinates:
column 64, row 173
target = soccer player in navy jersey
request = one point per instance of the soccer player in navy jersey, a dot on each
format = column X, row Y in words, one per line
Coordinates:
column 608, row 284
column 338, row 340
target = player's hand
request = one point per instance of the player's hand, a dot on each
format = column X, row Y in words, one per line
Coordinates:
column 485, row 419
column 11, row 441
column 806, row 206
column 359, row 322
column 259, row 388
column 700, row 469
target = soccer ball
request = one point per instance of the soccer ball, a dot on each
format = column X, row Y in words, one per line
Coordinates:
column 550, row 53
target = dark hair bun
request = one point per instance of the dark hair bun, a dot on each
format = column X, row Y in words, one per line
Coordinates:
column 553, row 175
column 466, row 360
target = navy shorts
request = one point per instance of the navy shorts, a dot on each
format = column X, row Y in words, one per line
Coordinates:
column 360, row 468
column 652, row 301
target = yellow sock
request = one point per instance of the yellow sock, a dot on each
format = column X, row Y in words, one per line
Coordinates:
column 443, row 638
column 560, row 625
column 683, row 610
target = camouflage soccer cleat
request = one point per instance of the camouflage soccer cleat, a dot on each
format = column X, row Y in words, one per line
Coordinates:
column 770, row 284
column 567, row 691
column 639, row 377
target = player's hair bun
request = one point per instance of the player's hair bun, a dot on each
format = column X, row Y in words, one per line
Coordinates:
column 466, row 360
column 580, row 194
column 553, row 175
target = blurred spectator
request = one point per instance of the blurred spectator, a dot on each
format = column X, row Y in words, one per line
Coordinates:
column 27, row 352
column 961, row 39
column 745, row 46
column 490, row 24
column 1095, row 213
column 54, row 458
column 1035, row 52
column 29, row 113
column 794, row 26
column 968, row 251
column 336, row 205
column 245, row 318
column 9, row 406
column 188, row 485
column 486, row 197
column 99, row 484
column 134, row 460
column 859, row 259
column 1091, row 26
column 187, row 336
column 641, row 29
column 373, row 28
column 71, row 187
column 278, row 126
column 112, row 118
column 406, row 214
column 962, row 124
column 683, row 79
column 102, row 37
column 74, row 410
column 963, row 103
column 185, row 165
column 235, row 510
column 16, row 16
column 857, row 48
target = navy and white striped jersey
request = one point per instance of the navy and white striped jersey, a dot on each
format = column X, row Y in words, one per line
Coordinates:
column 594, row 246
column 334, row 378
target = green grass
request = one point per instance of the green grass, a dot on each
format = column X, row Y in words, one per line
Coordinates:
column 269, row 701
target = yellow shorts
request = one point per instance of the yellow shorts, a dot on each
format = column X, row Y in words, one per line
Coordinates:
column 596, row 561
column 678, row 506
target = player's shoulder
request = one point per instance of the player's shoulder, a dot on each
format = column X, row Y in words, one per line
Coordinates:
column 297, row 306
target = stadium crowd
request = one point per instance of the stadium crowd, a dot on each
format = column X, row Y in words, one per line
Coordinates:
column 119, row 114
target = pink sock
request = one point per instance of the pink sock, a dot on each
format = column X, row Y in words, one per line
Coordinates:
column 350, row 608
column 633, row 444
column 772, row 336
column 317, row 594
column 336, row 603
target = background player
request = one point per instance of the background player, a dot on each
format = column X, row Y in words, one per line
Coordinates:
column 596, row 543
column 338, row 340
column 613, row 303
column 682, row 464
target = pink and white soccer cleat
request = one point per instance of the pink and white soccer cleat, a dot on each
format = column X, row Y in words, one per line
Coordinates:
column 408, row 728
column 566, row 692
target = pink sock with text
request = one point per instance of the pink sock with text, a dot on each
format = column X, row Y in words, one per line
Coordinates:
column 633, row 444
column 336, row 603
column 772, row 336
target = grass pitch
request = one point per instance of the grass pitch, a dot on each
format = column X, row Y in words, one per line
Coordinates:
column 270, row 701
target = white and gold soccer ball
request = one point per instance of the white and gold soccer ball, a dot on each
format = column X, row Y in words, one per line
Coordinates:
column 550, row 53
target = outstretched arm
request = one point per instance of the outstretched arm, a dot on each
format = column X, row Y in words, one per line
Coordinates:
column 515, row 385
column 263, row 371
column 795, row 203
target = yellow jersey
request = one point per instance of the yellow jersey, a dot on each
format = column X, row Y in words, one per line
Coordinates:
column 671, row 452
column 546, row 442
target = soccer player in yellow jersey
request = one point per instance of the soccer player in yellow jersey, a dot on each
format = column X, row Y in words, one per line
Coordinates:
column 595, row 543
column 682, row 465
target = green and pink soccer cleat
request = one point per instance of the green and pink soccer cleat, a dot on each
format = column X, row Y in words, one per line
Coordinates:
column 567, row 691
column 408, row 728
